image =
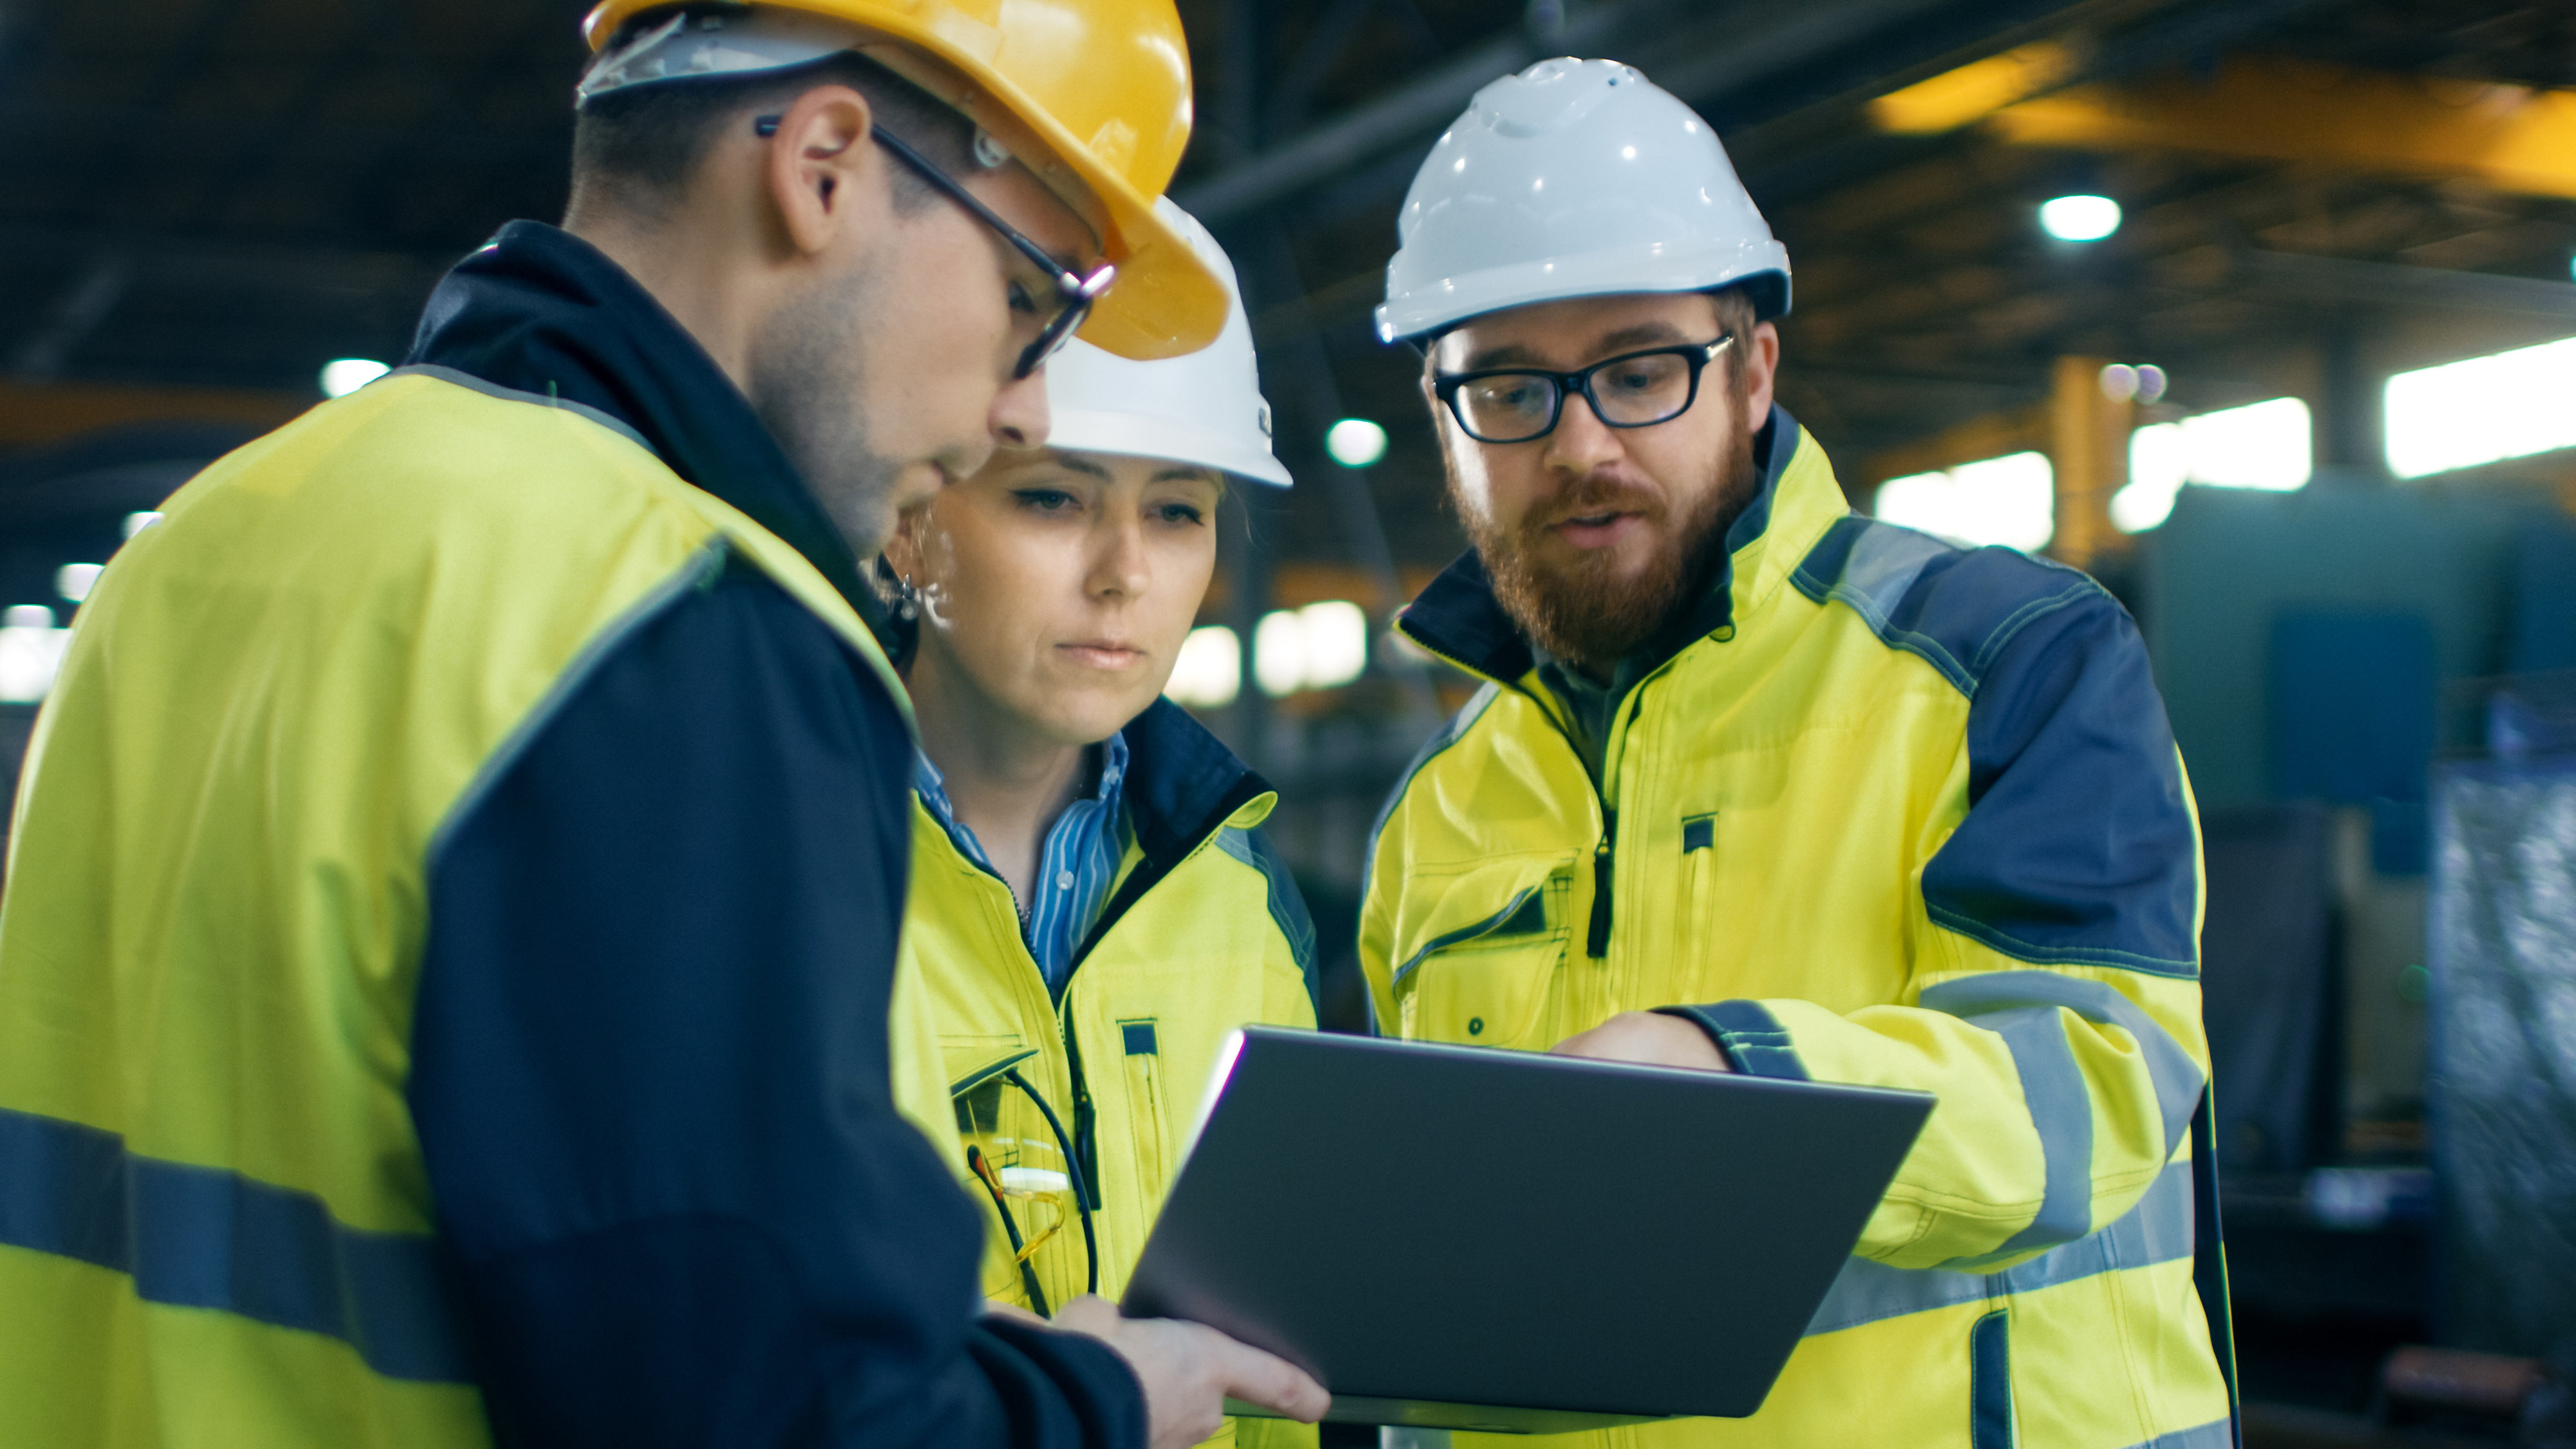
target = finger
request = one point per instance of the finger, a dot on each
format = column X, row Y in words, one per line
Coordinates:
column 1581, row 1044
column 1272, row 1382
column 1089, row 1313
column 1013, row 1312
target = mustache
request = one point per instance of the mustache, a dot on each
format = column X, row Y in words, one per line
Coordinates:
column 1595, row 494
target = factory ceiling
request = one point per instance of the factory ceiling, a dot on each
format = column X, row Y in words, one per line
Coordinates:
column 207, row 200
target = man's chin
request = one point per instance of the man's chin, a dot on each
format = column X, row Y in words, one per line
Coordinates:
column 1623, row 564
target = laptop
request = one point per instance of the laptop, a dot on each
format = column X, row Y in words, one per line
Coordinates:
column 1465, row 1238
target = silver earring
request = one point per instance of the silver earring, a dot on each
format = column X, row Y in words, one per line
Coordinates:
column 907, row 600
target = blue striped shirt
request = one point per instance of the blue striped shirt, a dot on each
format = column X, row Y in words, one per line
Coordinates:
column 1076, row 866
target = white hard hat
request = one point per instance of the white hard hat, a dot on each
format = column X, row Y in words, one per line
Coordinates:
column 1203, row 407
column 1574, row 178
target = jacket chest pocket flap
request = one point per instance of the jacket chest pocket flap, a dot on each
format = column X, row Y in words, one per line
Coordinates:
column 1484, row 981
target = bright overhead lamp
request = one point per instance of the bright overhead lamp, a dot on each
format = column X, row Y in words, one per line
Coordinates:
column 1208, row 672
column 1355, row 442
column 2011, row 501
column 2079, row 218
column 346, row 375
column 2481, row 410
column 74, row 580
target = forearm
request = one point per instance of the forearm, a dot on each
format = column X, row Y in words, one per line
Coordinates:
column 2063, row 1094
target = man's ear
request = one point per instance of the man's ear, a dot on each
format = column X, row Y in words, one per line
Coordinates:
column 822, row 172
column 1762, row 361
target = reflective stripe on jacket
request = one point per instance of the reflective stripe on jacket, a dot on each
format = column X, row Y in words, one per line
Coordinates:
column 1203, row 932
column 448, row 935
column 1910, row 815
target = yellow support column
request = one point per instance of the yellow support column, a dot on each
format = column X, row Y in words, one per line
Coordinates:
column 2088, row 447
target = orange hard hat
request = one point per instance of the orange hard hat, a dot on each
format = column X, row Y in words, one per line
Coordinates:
column 1091, row 95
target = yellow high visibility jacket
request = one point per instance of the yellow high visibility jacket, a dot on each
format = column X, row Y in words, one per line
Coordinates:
column 451, row 913
column 1202, row 932
column 1891, row 812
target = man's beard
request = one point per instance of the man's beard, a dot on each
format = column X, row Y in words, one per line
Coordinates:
column 806, row 377
column 1585, row 612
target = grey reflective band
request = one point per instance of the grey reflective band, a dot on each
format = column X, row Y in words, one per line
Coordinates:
column 2216, row 1434
column 2177, row 1077
column 201, row 1237
column 2052, row 1088
column 2157, row 1230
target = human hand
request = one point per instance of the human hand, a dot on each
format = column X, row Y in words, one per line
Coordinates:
column 1643, row 1036
column 1013, row 1312
column 1189, row 1370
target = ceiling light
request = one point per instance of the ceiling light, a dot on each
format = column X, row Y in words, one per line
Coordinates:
column 2079, row 218
column 1355, row 442
column 1208, row 672
column 348, row 374
column 74, row 580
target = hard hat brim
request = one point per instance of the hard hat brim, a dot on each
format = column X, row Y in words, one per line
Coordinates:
column 1453, row 300
column 1124, row 435
column 1165, row 302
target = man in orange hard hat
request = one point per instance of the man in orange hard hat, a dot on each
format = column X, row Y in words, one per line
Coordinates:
column 445, row 969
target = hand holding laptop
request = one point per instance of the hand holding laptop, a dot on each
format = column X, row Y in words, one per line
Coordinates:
column 1190, row 1371
column 1647, row 1039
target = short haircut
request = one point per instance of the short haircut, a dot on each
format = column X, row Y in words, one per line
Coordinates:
column 1736, row 316
column 638, row 146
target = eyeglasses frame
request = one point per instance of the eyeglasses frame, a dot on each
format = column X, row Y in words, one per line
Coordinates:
column 1077, row 291
column 1568, row 384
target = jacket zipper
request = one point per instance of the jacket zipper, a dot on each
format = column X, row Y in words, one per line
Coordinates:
column 1596, row 941
column 1085, row 1141
column 1085, row 1116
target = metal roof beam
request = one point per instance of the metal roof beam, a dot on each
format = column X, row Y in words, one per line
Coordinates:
column 1746, row 44
column 2339, row 279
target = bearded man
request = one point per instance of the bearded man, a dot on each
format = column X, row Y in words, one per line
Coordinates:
column 1757, row 785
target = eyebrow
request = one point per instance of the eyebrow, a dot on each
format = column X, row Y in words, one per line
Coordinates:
column 1186, row 473
column 1076, row 463
column 1644, row 334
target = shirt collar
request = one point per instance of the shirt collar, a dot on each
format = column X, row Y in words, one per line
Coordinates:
column 1107, row 788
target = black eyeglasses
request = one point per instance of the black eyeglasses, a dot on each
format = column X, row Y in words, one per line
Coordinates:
column 1075, row 293
column 1632, row 390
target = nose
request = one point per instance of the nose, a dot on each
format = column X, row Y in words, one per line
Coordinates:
column 1119, row 569
column 1019, row 418
column 1582, row 443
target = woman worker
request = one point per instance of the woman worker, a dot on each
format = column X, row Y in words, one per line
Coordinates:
column 1092, row 908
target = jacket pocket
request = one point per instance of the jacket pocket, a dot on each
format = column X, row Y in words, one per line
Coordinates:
column 1990, row 1397
column 1699, row 892
column 1485, row 981
column 1142, row 1052
column 1488, row 994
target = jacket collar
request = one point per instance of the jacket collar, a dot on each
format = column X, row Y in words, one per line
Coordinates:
column 1183, row 784
column 1458, row 618
column 1178, row 784
column 540, row 311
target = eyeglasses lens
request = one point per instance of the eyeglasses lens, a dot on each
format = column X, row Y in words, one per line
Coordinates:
column 1508, row 407
column 1644, row 389
column 1060, row 328
column 1627, row 392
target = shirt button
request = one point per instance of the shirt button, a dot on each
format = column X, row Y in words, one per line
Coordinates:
column 1064, row 880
